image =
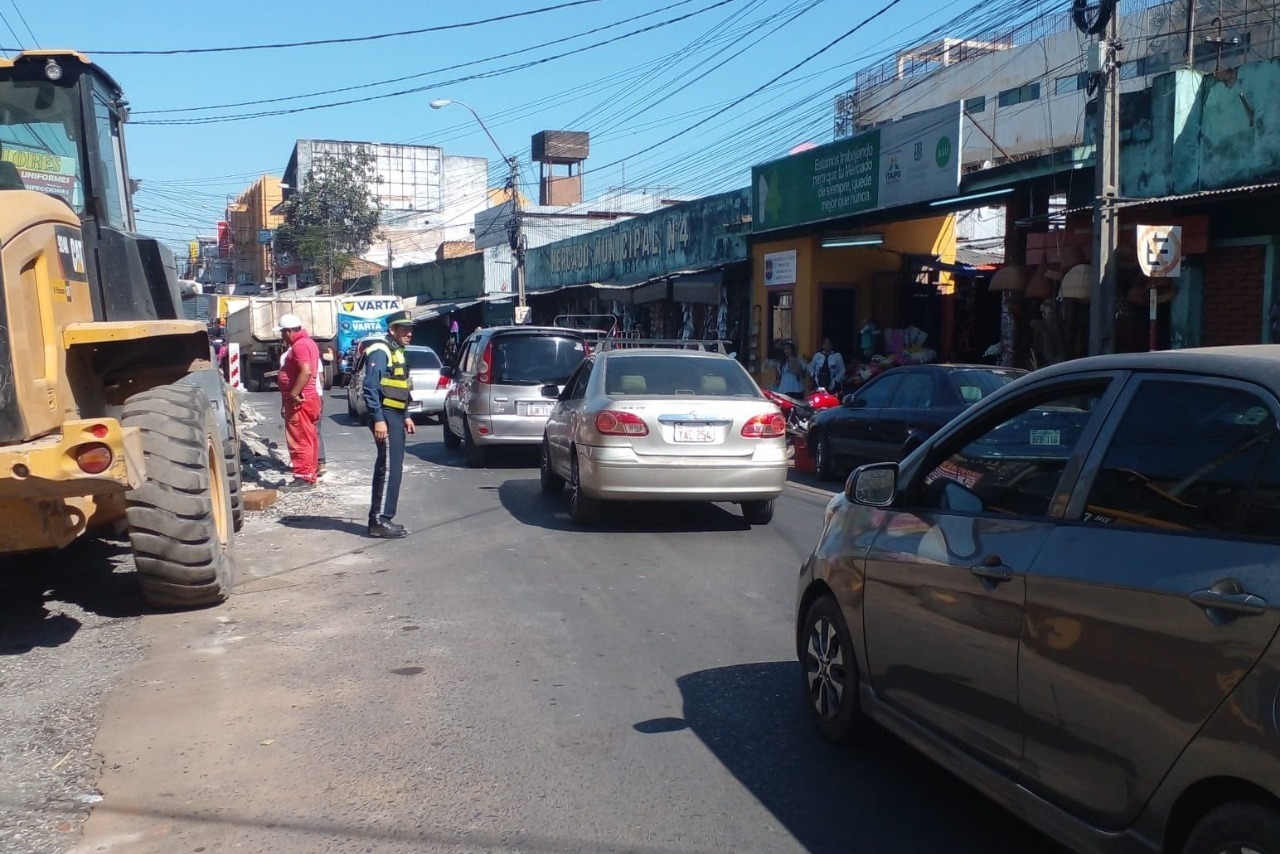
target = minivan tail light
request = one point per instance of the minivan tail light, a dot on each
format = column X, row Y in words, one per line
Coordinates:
column 612, row 423
column 769, row 426
column 485, row 374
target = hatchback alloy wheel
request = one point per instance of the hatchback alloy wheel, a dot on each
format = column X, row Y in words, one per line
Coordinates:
column 825, row 669
column 831, row 673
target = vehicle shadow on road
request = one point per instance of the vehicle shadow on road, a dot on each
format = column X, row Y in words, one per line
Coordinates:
column 525, row 500
column 881, row 797
column 94, row 575
column 325, row 523
column 500, row 458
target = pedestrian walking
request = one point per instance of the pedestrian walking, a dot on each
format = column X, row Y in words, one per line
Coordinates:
column 791, row 372
column 827, row 367
column 387, row 390
column 300, row 402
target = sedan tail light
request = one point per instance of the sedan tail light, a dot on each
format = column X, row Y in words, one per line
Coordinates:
column 612, row 423
column 442, row 383
column 769, row 426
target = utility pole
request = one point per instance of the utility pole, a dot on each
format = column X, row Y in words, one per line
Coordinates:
column 1191, row 33
column 1106, row 225
column 515, row 236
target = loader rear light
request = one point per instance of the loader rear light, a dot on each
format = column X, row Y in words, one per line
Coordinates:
column 99, row 431
column 612, row 423
column 765, row 426
column 94, row 458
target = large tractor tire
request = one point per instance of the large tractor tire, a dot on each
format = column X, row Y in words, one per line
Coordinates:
column 180, row 518
column 235, row 481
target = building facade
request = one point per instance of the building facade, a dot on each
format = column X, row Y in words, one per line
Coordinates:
column 252, row 224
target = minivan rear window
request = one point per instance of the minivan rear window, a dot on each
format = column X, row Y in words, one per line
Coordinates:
column 535, row 359
column 422, row 360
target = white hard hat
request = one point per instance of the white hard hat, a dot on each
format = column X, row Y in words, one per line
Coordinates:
column 289, row 321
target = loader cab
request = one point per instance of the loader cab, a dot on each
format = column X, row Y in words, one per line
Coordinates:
column 61, row 134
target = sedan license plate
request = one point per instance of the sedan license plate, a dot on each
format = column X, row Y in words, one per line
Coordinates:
column 540, row 410
column 695, row 433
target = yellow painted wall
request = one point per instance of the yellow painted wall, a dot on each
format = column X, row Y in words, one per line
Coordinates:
column 815, row 267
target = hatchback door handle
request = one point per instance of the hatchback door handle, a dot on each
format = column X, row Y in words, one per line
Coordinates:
column 992, row 569
column 1237, row 603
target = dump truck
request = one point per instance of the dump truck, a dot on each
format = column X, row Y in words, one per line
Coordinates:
column 113, row 416
column 335, row 323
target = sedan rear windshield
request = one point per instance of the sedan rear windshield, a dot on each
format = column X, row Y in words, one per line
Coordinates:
column 678, row 375
column 973, row 385
column 535, row 359
column 422, row 360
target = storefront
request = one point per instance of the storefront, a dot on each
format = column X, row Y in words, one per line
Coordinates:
column 681, row 272
column 845, row 241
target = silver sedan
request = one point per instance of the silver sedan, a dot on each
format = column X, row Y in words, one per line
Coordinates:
column 664, row 425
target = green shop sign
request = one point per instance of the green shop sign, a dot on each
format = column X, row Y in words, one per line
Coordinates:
column 693, row 235
column 911, row 160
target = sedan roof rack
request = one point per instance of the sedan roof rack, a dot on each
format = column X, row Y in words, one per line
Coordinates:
column 710, row 346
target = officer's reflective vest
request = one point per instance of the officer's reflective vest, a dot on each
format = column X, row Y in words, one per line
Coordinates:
column 396, row 385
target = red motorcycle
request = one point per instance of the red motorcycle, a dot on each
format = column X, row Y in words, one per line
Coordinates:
column 798, row 413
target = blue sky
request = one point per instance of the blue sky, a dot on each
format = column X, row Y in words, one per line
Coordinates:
column 638, row 97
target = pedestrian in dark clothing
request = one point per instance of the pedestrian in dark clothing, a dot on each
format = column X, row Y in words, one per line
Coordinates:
column 387, row 390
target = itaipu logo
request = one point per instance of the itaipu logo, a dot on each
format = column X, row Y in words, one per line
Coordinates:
column 894, row 172
column 942, row 154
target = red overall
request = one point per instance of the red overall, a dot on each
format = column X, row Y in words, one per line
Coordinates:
column 300, row 419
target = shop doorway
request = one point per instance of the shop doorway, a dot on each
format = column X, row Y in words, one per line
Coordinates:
column 839, row 320
column 781, row 330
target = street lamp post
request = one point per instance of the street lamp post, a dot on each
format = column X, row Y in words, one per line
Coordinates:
column 515, row 224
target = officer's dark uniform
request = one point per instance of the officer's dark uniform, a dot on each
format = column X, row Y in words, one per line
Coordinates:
column 386, row 391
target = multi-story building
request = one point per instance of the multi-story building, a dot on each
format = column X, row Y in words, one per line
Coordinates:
column 1025, row 89
column 428, row 198
column 252, row 224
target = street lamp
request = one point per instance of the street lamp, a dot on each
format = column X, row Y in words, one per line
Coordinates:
column 515, row 225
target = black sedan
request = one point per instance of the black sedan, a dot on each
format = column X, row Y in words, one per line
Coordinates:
column 893, row 413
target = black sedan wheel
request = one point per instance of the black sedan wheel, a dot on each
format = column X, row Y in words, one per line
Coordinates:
column 831, row 673
column 1239, row 828
column 826, row 467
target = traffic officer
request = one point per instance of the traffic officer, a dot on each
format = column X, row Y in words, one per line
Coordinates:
column 387, row 391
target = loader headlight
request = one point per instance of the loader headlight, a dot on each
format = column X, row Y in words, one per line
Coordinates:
column 53, row 70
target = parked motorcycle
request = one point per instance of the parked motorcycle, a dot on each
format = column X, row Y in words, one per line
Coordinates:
column 800, row 413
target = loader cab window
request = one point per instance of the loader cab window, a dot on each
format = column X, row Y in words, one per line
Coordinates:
column 40, row 138
column 111, row 158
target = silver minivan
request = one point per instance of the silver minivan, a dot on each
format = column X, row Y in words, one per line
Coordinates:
column 504, row 384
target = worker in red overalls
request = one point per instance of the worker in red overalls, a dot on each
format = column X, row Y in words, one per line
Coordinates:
column 301, row 401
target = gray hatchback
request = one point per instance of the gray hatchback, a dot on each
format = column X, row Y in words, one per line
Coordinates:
column 503, row 385
column 1069, row 597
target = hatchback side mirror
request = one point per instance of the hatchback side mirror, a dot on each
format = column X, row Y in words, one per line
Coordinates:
column 873, row 485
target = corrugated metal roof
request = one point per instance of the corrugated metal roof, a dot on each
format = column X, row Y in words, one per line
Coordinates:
column 1201, row 194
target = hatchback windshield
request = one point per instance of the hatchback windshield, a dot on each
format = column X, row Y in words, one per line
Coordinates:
column 535, row 359
column 673, row 375
column 422, row 360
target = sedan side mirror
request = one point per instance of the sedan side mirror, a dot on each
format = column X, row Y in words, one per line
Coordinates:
column 551, row 391
column 873, row 485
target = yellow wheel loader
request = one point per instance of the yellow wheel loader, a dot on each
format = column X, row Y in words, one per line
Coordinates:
column 112, row 411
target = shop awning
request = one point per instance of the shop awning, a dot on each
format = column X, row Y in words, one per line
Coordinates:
column 430, row 310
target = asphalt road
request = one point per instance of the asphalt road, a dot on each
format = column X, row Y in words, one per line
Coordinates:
column 501, row 680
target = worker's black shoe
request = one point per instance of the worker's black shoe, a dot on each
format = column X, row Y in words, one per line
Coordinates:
column 297, row 485
column 387, row 530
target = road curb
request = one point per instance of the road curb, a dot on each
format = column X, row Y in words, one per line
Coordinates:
column 813, row 490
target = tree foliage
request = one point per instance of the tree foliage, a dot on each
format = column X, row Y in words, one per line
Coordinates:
column 333, row 218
